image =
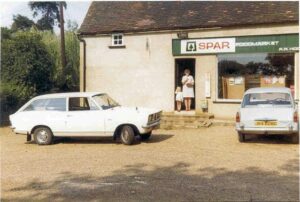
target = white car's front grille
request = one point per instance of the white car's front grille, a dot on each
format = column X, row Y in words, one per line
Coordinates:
column 154, row 117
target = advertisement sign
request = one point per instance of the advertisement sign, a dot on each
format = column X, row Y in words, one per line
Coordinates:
column 241, row 44
column 218, row 45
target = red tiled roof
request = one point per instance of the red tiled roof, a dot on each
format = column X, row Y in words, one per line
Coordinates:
column 136, row 16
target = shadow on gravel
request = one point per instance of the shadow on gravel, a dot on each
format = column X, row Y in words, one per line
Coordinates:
column 173, row 183
column 269, row 139
column 155, row 138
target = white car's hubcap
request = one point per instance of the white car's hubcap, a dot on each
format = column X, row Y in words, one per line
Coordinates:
column 42, row 136
column 125, row 135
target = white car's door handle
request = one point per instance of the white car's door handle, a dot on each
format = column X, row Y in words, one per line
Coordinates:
column 69, row 115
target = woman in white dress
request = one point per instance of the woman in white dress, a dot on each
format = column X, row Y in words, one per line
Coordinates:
column 187, row 89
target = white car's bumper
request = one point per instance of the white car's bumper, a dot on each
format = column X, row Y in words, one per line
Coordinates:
column 149, row 127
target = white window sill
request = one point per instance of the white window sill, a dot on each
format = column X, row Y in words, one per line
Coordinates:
column 117, row 46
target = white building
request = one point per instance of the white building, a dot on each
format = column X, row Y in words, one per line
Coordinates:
column 137, row 51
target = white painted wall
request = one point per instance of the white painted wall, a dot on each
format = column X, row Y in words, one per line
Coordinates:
column 143, row 75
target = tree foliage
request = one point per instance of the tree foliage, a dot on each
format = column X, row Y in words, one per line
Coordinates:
column 49, row 11
column 21, row 23
column 31, row 59
column 26, row 69
column 26, row 62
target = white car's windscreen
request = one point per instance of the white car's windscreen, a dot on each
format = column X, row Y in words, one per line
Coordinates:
column 105, row 102
column 49, row 104
column 267, row 99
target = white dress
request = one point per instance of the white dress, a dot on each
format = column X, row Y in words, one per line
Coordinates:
column 179, row 96
column 186, row 90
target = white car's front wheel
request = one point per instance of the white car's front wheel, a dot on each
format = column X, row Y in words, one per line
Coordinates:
column 42, row 136
column 127, row 135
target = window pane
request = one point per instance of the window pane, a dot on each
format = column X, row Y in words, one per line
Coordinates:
column 37, row 105
column 56, row 104
column 93, row 106
column 78, row 104
column 105, row 102
column 239, row 72
column 117, row 39
column 50, row 104
column 262, row 99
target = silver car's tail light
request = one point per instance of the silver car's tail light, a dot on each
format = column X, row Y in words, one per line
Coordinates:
column 296, row 118
column 238, row 117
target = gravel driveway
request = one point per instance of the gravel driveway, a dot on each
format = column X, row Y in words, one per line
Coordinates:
column 175, row 165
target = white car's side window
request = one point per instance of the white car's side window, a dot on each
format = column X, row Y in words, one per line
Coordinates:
column 50, row 104
column 79, row 104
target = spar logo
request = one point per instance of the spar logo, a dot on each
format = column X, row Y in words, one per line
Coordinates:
column 210, row 45
column 191, row 46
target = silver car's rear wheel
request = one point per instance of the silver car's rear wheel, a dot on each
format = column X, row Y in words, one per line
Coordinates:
column 241, row 137
column 295, row 138
column 43, row 136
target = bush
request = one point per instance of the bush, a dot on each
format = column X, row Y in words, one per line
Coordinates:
column 26, row 70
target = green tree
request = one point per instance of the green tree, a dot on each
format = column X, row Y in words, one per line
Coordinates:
column 22, row 23
column 49, row 12
column 52, row 13
column 26, row 69
column 5, row 33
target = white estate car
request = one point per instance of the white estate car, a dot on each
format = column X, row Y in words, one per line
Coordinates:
column 82, row 114
column 267, row 111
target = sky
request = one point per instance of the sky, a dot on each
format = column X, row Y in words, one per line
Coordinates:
column 76, row 11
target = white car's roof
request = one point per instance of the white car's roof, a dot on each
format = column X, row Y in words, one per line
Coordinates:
column 71, row 94
column 268, row 90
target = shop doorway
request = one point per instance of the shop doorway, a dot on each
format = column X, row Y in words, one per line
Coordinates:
column 180, row 66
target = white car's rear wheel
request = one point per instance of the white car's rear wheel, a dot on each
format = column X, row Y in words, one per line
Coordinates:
column 127, row 135
column 43, row 136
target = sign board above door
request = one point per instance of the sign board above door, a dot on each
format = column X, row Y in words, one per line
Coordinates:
column 241, row 44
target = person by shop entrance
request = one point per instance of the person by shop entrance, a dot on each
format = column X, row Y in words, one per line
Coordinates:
column 184, row 78
column 187, row 89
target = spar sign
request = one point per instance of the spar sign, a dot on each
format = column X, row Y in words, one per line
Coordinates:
column 204, row 46
column 240, row 44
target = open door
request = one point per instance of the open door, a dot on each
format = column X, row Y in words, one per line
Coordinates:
column 180, row 66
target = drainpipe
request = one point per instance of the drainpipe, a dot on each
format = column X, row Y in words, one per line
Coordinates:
column 84, row 61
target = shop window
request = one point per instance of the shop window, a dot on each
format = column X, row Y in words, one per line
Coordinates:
column 239, row 72
column 117, row 40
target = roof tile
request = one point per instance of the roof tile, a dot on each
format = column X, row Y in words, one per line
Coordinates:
column 135, row 16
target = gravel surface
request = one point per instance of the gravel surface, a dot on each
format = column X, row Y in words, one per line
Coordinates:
column 206, row 164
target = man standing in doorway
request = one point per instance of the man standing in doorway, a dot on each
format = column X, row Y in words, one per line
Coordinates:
column 187, row 89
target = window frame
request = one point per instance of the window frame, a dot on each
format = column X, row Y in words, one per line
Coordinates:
column 237, row 101
column 113, row 40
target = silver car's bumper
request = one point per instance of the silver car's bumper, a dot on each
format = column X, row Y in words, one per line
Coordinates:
column 270, row 130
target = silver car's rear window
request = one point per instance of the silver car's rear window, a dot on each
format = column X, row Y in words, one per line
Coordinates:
column 267, row 99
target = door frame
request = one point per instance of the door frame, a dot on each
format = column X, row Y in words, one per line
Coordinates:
column 176, row 79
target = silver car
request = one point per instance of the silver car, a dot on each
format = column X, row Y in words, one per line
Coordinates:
column 267, row 111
